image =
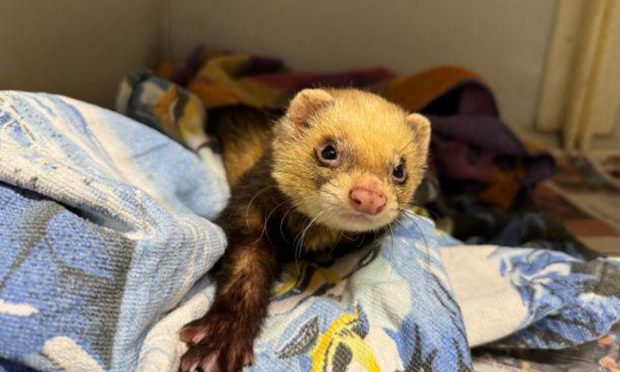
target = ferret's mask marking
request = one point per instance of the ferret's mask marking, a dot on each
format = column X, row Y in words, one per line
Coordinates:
column 372, row 138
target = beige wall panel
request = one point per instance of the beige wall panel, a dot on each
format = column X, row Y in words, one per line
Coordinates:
column 80, row 48
column 504, row 40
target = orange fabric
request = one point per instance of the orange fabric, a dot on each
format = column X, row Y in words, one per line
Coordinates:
column 162, row 109
column 166, row 70
column 502, row 191
column 532, row 146
column 417, row 90
column 212, row 94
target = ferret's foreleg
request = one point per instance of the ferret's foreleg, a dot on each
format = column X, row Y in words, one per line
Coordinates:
column 223, row 339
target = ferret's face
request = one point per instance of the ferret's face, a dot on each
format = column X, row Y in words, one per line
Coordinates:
column 348, row 159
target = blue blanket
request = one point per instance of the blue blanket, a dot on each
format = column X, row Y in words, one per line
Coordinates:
column 106, row 236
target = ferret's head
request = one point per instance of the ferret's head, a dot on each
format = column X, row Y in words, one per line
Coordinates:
column 348, row 159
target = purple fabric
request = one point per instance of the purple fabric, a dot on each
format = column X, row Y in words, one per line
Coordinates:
column 471, row 145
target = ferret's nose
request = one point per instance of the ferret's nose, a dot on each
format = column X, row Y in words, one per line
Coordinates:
column 367, row 198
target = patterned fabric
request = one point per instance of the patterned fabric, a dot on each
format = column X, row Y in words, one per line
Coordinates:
column 497, row 171
column 473, row 151
column 599, row 355
column 105, row 232
column 90, row 217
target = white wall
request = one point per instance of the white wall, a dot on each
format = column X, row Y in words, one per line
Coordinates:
column 503, row 40
column 80, row 48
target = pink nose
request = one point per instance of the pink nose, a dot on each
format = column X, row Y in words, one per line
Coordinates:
column 367, row 199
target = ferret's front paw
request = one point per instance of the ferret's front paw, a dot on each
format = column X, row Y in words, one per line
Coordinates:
column 216, row 344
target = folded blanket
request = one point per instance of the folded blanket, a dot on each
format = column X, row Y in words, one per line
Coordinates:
column 105, row 236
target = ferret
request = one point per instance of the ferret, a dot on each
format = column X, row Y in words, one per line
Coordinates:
column 337, row 168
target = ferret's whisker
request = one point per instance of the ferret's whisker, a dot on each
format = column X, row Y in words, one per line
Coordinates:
column 303, row 234
column 299, row 240
column 264, row 231
column 282, row 222
column 247, row 210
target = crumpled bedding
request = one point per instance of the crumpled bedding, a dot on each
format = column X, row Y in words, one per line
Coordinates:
column 105, row 233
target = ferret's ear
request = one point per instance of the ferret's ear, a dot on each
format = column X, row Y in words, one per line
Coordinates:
column 305, row 104
column 421, row 127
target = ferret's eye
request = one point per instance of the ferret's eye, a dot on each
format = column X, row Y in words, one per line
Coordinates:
column 328, row 154
column 398, row 174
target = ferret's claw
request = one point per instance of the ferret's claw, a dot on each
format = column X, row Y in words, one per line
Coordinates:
column 215, row 346
column 248, row 359
column 214, row 360
column 192, row 335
